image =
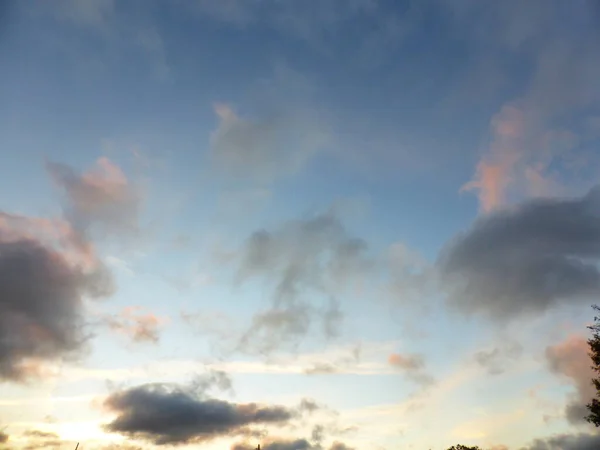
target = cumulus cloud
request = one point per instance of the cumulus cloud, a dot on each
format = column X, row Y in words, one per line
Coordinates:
column 48, row 266
column 571, row 359
column 45, row 272
column 525, row 259
column 169, row 414
column 412, row 365
column 309, row 264
column 566, row 442
column 136, row 325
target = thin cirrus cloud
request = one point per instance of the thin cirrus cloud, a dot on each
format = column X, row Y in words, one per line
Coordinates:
column 570, row 359
column 268, row 147
column 526, row 259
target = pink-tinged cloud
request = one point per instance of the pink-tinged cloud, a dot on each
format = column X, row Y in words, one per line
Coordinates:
column 570, row 359
column 43, row 280
column 136, row 325
column 406, row 362
column 494, row 173
column 101, row 198
column 412, row 365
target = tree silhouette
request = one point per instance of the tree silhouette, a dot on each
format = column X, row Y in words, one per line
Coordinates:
column 594, row 343
column 463, row 447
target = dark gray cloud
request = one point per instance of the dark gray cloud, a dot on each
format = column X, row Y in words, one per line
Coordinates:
column 566, row 442
column 282, row 444
column 570, row 359
column 308, row 264
column 169, row 414
column 41, row 311
column 526, row 259
column 496, row 359
column 290, row 444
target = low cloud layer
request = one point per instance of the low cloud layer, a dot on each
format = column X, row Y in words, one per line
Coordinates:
column 168, row 414
column 571, row 359
column 290, row 444
column 566, row 442
column 526, row 259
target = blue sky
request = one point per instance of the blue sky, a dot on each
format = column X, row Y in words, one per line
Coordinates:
column 372, row 190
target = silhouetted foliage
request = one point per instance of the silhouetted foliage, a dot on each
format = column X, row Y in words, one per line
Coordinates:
column 594, row 343
column 463, row 447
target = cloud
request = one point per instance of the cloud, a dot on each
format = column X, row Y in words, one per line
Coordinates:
column 41, row 439
column 101, row 199
column 169, row 414
column 3, row 437
column 321, row 368
column 136, row 326
column 266, row 148
column 309, row 264
column 525, row 259
column 48, row 266
column 571, row 359
column 534, row 141
column 297, row 444
column 412, row 365
column 566, row 442
column 340, row 446
column 494, row 360
column 283, row 131
column 289, row 444
column 45, row 272
column 212, row 379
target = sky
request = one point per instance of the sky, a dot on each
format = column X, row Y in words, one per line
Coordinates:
column 305, row 224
